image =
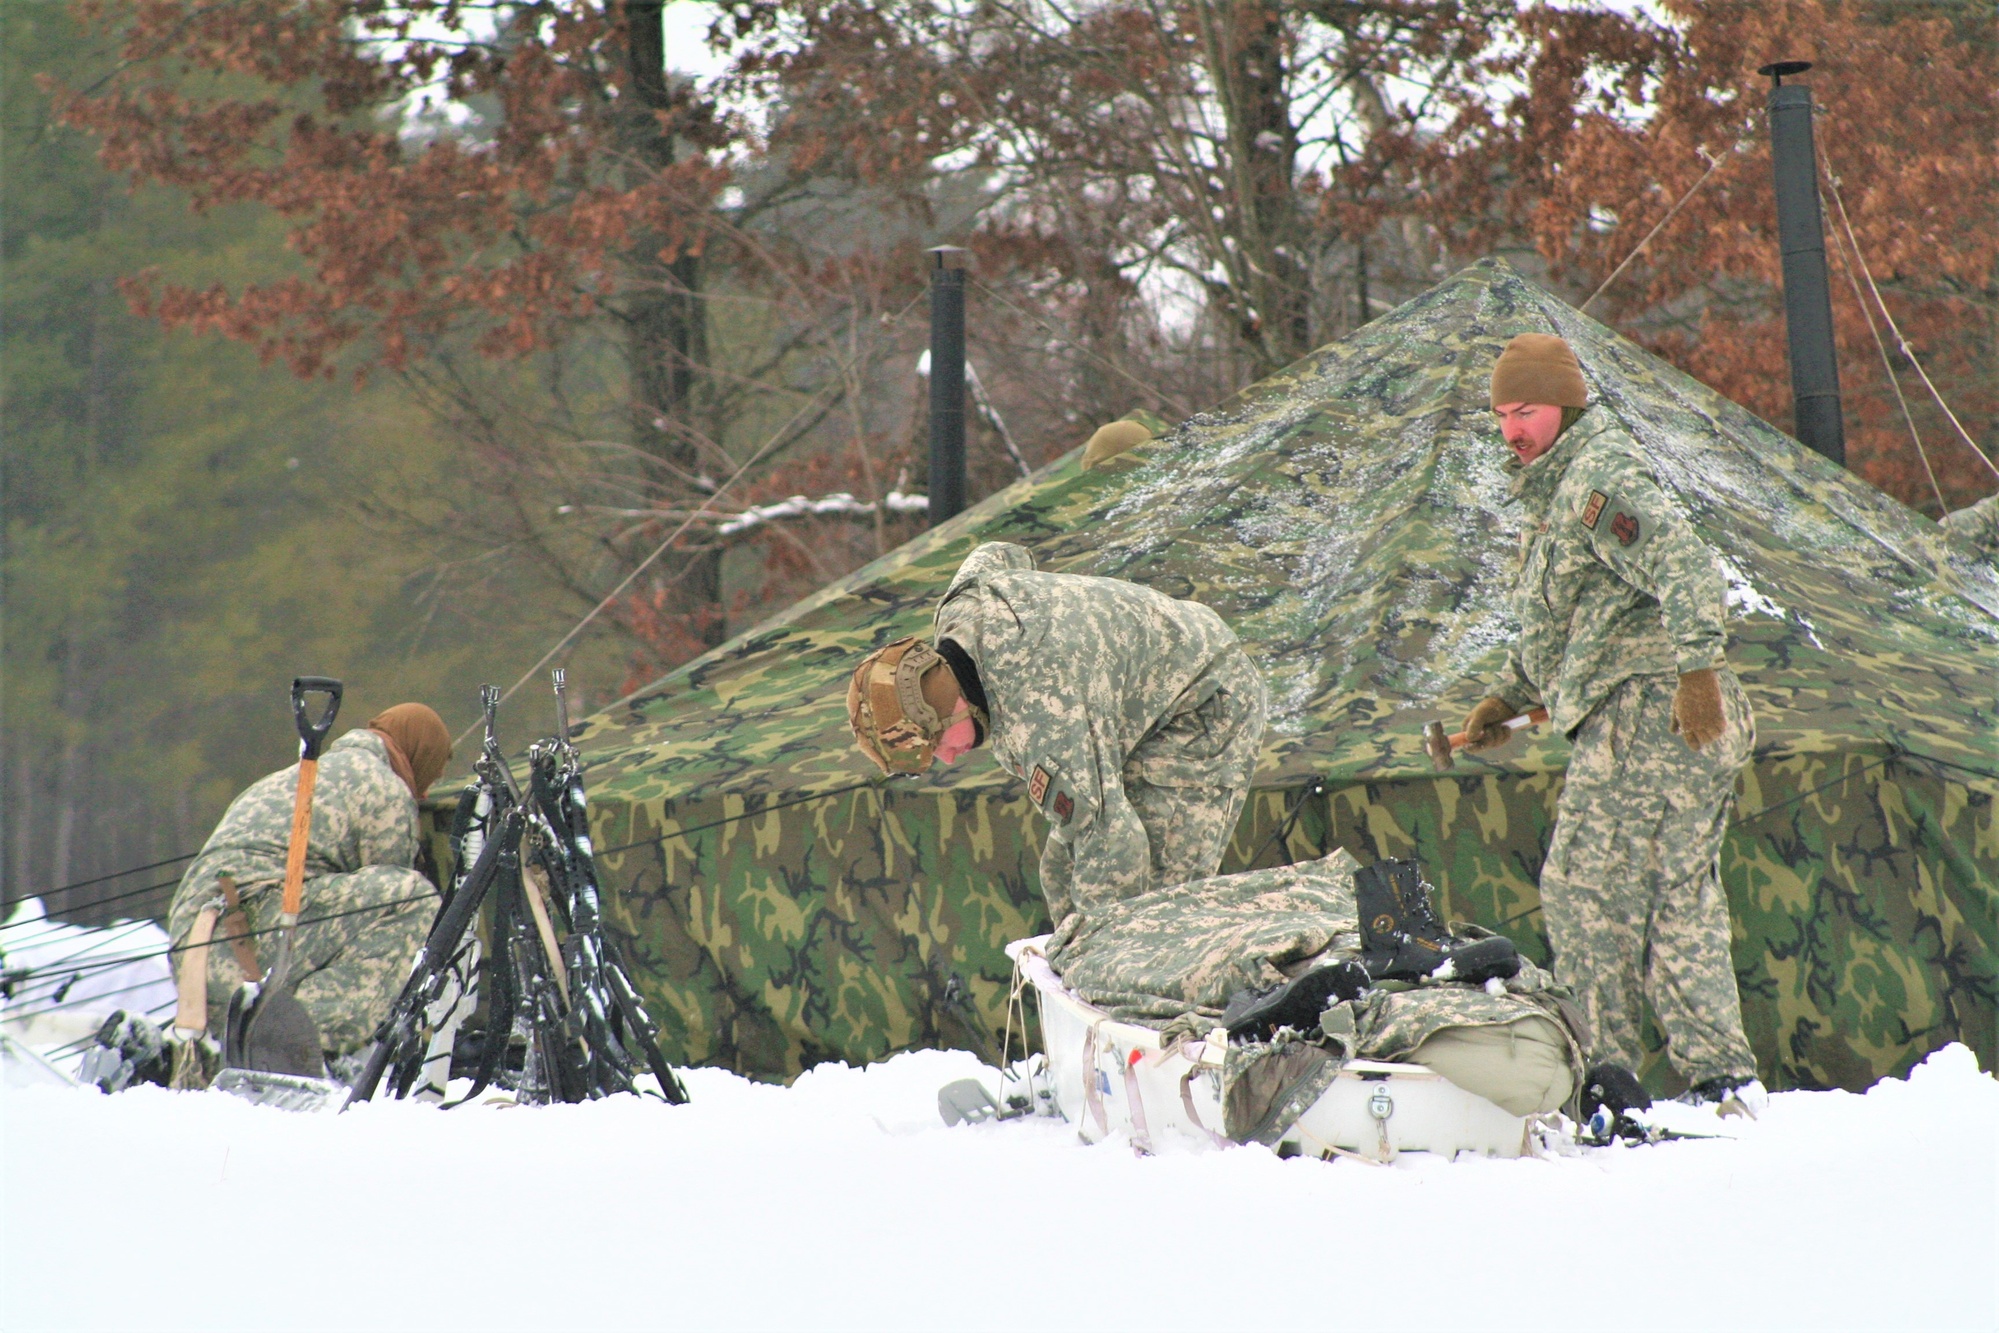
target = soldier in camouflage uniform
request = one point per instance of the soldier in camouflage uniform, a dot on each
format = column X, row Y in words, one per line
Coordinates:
column 1622, row 630
column 1978, row 526
column 1135, row 720
column 361, row 854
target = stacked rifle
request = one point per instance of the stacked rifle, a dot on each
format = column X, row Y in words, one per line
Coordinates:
column 563, row 1021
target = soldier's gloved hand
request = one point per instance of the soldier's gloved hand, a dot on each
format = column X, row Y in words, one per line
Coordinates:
column 1697, row 714
column 1485, row 725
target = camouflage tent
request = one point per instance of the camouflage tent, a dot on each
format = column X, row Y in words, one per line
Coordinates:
column 1349, row 517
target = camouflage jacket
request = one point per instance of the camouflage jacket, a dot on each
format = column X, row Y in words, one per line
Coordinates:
column 1613, row 582
column 1078, row 671
column 362, row 815
column 1977, row 525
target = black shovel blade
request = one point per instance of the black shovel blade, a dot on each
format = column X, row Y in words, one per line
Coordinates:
column 279, row 1036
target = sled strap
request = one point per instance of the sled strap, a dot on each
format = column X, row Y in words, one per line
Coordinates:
column 1093, row 1099
column 1141, row 1132
column 236, row 929
column 191, row 1013
column 1194, row 1116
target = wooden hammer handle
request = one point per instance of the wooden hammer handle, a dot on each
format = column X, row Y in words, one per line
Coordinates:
column 1533, row 717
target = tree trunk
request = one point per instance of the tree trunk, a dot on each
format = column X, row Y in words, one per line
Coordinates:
column 1263, row 143
column 666, row 327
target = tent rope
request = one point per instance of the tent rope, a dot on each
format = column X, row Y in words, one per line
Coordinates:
column 1847, row 267
column 1084, row 348
column 94, row 965
column 700, row 512
column 1901, row 343
column 1714, row 165
column 54, row 922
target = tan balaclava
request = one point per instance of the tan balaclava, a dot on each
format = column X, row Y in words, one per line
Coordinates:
column 1539, row 368
column 419, row 746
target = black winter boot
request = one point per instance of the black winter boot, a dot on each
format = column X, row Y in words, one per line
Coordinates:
column 1297, row 1003
column 1402, row 940
column 1610, row 1094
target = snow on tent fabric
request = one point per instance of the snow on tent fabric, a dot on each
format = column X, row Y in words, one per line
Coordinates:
column 1348, row 517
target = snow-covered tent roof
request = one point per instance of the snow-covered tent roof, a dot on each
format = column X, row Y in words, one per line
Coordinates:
column 1348, row 516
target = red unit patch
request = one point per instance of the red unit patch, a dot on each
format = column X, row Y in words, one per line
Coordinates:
column 1593, row 510
column 1624, row 527
column 1064, row 807
column 1037, row 784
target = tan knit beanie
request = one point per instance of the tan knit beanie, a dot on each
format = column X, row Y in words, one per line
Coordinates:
column 1538, row 368
column 1112, row 440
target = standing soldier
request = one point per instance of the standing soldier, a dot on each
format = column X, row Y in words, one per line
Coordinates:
column 1134, row 719
column 1622, row 630
column 360, row 856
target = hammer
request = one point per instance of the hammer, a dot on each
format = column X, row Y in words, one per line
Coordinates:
column 1440, row 747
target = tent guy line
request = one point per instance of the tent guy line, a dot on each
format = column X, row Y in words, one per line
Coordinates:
column 700, row 511
column 99, row 964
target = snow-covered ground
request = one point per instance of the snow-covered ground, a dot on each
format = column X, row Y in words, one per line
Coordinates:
column 842, row 1202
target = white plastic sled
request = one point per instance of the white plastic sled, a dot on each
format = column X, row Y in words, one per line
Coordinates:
column 1115, row 1079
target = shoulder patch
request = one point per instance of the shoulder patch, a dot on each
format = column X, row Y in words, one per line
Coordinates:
column 1037, row 784
column 1064, row 807
column 1593, row 510
column 1627, row 528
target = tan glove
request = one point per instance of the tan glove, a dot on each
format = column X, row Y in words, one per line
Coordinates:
column 1697, row 714
column 1485, row 725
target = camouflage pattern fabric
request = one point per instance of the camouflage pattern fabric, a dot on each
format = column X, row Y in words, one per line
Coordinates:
column 1349, row 519
column 1631, row 891
column 1266, row 1086
column 1613, row 582
column 359, row 854
column 1977, row 526
column 1189, row 947
column 1133, row 718
column 1390, row 1022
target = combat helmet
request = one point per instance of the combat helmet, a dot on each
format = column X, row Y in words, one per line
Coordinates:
column 893, row 724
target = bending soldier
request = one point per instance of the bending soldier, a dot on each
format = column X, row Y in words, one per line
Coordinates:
column 1134, row 719
column 361, row 855
column 1622, row 630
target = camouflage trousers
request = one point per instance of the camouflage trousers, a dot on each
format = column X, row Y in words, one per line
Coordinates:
column 1186, row 782
column 1188, row 829
column 1631, row 889
column 352, row 960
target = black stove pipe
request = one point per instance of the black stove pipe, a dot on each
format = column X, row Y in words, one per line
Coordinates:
column 947, row 383
column 1815, row 408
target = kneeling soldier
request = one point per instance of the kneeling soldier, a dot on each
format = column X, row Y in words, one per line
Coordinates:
column 366, row 906
column 1134, row 719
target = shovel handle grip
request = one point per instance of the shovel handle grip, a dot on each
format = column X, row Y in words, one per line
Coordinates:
column 312, row 735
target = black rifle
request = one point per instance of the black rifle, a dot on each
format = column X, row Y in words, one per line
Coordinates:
column 607, row 1020
column 569, row 1006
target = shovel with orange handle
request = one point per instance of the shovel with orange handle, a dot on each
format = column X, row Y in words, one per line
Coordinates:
column 278, row 1036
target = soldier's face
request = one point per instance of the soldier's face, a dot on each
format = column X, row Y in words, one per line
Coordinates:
column 1529, row 428
column 960, row 736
